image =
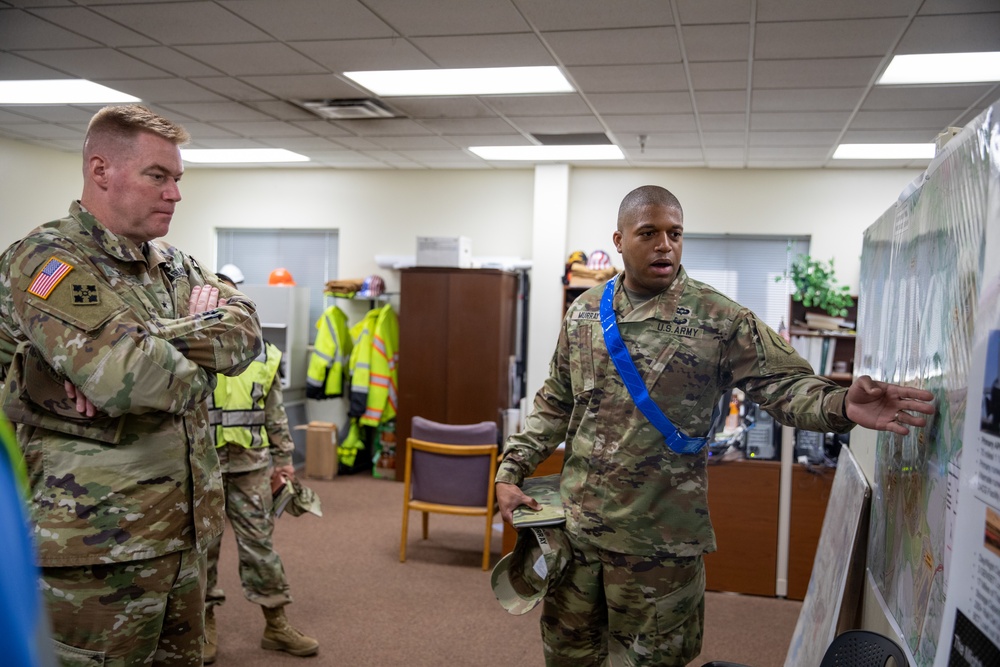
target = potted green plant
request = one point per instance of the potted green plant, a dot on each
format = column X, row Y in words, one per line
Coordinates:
column 816, row 286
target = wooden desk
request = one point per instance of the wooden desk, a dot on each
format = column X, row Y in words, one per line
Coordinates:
column 550, row 466
column 810, row 495
column 743, row 504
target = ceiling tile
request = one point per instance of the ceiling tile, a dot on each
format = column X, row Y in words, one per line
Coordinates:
column 383, row 127
column 186, row 23
column 890, row 136
column 351, row 55
column 322, row 128
column 256, row 59
column 615, row 47
column 729, row 122
column 210, row 112
column 466, row 140
column 935, row 119
column 83, row 21
column 356, row 143
column 901, row 98
column 641, row 103
column 171, row 60
column 305, row 86
column 719, row 76
column 97, row 63
column 408, row 143
column 805, row 120
column 805, row 99
column 953, row 33
column 442, row 107
column 650, row 124
column 49, row 113
column 713, row 11
column 283, row 110
column 226, row 142
column 15, row 67
column 826, row 39
column 460, row 126
column 670, row 154
column 164, row 90
column 508, row 50
column 262, row 129
column 233, row 88
column 705, row 43
column 202, row 131
column 451, row 17
column 796, row 10
column 291, row 20
column 630, row 79
column 956, row 6
column 584, row 14
column 537, row 105
column 721, row 101
column 556, row 124
column 817, row 73
column 665, row 140
column 723, row 138
column 21, row 30
column 791, row 138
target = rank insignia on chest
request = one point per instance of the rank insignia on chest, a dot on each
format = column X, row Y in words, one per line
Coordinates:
column 85, row 295
column 51, row 275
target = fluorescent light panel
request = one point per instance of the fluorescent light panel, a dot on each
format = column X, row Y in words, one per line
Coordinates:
column 240, row 155
column 60, row 91
column 927, row 68
column 545, row 153
column 884, row 152
column 469, row 81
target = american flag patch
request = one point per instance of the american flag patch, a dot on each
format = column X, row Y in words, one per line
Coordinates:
column 47, row 279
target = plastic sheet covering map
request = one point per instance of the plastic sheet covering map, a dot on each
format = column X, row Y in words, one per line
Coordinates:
column 921, row 266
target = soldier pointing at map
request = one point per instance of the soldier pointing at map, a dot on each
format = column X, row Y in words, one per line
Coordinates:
column 637, row 372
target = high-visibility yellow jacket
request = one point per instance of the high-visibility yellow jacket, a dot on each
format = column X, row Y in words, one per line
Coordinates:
column 236, row 408
column 374, row 361
column 328, row 361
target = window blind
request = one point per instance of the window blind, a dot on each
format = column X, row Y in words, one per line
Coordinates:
column 744, row 268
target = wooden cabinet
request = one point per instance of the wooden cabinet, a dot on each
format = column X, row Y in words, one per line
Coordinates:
column 810, row 494
column 456, row 343
column 743, row 505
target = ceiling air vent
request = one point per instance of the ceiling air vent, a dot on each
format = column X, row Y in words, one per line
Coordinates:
column 348, row 109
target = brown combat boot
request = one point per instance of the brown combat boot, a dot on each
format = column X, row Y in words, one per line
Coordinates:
column 211, row 638
column 279, row 635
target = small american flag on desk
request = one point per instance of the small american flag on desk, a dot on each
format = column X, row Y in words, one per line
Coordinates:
column 47, row 279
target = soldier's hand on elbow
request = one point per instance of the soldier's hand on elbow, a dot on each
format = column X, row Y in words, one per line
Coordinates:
column 203, row 299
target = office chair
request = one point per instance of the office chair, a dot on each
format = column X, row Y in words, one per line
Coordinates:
column 853, row 648
column 450, row 470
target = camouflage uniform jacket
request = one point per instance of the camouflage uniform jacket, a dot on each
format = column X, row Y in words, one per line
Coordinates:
column 624, row 490
column 236, row 458
column 140, row 479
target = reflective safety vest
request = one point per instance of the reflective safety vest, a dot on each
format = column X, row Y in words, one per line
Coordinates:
column 236, row 408
column 328, row 361
column 374, row 367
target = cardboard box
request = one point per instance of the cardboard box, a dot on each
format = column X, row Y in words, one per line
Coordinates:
column 321, row 449
column 449, row 251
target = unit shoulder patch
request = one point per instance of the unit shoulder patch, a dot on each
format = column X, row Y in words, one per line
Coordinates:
column 85, row 295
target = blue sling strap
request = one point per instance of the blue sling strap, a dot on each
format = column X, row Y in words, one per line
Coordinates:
column 676, row 441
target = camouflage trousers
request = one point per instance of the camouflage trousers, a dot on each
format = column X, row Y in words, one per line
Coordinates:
column 619, row 610
column 145, row 612
column 248, row 506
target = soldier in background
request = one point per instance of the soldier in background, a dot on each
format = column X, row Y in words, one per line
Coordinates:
column 250, row 433
column 636, row 509
column 110, row 343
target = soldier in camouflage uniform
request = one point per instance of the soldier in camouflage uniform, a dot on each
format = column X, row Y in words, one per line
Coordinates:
column 636, row 511
column 110, row 343
column 250, row 432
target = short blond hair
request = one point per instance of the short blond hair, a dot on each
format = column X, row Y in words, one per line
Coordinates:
column 120, row 123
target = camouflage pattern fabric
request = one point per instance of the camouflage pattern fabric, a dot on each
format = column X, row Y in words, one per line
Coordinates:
column 138, row 613
column 623, row 489
column 139, row 480
column 248, row 504
column 654, row 607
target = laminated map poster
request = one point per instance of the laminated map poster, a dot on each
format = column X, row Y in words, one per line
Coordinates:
column 970, row 632
column 921, row 267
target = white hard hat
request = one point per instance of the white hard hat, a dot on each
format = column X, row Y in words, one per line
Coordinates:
column 232, row 272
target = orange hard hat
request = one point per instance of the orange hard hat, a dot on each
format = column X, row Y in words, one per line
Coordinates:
column 280, row 277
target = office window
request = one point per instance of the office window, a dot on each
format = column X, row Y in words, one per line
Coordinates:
column 744, row 268
column 310, row 255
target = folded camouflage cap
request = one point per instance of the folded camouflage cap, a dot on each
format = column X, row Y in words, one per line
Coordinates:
column 296, row 498
column 522, row 578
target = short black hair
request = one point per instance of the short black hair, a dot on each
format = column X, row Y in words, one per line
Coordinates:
column 648, row 195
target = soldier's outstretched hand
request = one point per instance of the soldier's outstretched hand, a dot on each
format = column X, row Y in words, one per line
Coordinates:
column 887, row 407
column 510, row 496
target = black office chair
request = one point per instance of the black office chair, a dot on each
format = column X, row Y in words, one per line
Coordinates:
column 854, row 648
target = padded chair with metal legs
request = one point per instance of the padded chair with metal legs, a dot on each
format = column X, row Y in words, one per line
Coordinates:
column 450, row 470
column 853, row 648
